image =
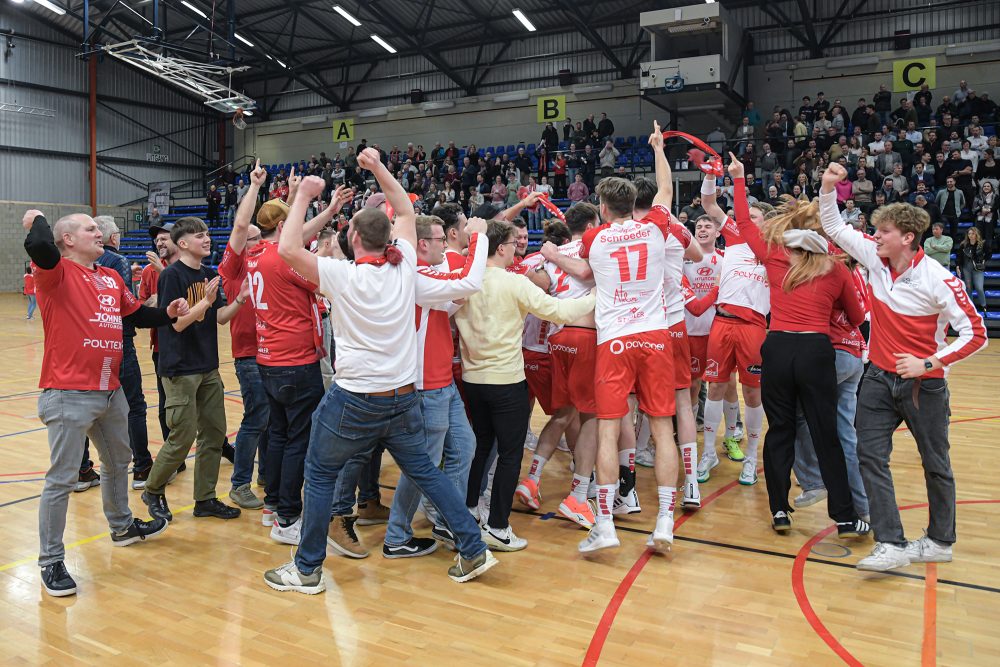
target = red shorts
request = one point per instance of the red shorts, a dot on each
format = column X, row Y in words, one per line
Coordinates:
column 642, row 361
column 538, row 373
column 682, row 355
column 699, row 352
column 574, row 356
column 734, row 344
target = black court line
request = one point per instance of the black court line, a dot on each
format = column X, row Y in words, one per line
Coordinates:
column 20, row 500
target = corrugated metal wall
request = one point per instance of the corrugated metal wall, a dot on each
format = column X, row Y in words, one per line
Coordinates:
column 131, row 109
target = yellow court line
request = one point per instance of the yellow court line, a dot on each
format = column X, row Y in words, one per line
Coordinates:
column 78, row 543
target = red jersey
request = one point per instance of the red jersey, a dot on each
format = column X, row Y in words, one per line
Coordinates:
column 286, row 310
column 243, row 326
column 521, row 265
column 83, row 326
column 29, row 284
column 148, row 281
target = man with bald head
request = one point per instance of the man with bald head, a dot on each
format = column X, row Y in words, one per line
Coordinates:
column 83, row 307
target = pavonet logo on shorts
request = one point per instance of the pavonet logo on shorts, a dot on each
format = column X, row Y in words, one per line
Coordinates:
column 754, row 369
column 618, row 345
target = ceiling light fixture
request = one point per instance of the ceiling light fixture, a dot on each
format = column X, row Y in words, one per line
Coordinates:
column 519, row 15
column 51, row 7
column 384, row 44
column 244, row 39
column 343, row 12
column 194, row 9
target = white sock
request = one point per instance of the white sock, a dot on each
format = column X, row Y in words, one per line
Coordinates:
column 689, row 459
column 579, row 488
column 642, row 434
column 537, row 463
column 668, row 498
column 605, row 496
column 753, row 420
column 732, row 411
column 713, row 416
column 626, row 457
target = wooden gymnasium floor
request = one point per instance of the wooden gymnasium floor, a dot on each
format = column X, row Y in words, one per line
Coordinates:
column 731, row 593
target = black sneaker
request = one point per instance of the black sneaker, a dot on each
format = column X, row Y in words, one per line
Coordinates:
column 181, row 468
column 139, row 531
column 157, row 504
column 87, row 479
column 856, row 528
column 57, row 581
column 213, row 507
column 781, row 522
column 417, row 546
column 444, row 536
column 139, row 478
column 228, row 451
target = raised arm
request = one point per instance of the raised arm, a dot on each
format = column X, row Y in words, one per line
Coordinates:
column 514, row 211
column 244, row 212
column 664, row 187
column 405, row 226
column 40, row 244
column 290, row 246
column 435, row 288
column 748, row 230
column 852, row 241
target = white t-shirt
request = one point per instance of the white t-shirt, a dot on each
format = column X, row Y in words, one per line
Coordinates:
column 744, row 278
column 701, row 276
column 628, row 261
column 372, row 317
column 675, row 244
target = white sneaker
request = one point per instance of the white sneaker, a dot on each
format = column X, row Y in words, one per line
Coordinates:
column 484, row 510
column 811, row 497
column 748, row 476
column 267, row 516
column 288, row 578
column 926, row 550
column 692, row 495
column 708, row 461
column 628, row 504
column 884, row 557
column 503, row 539
column 663, row 535
column 287, row 534
column 530, row 441
column 601, row 536
column 562, row 446
column 738, row 433
column 645, row 457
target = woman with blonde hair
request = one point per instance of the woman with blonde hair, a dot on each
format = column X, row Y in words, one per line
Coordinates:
column 971, row 258
column 798, row 367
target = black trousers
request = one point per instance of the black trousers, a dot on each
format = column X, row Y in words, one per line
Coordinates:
column 500, row 413
column 800, row 369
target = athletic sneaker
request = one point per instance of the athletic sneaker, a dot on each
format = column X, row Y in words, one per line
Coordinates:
column 856, row 528
column 748, row 476
column 733, row 451
column 444, row 536
column 628, row 504
column 245, row 498
column 601, row 536
column 56, row 580
column 417, row 546
column 662, row 536
column 463, row 570
column 781, row 522
column 267, row 516
column 372, row 513
column 738, row 434
column 483, row 510
column 530, row 441
column 645, row 457
column 138, row 531
column 87, row 479
column 708, row 461
column 139, row 478
column 577, row 512
column 289, row 534
column 884, row 556
column 215, row 507
column 592, row 488
column 228, row 451
column 288, row 578
column 528, row 493
column 343, row 538
column 562, row 446
column 692, row 496
column 503, row 539
column 926, row 550
column 811, row 497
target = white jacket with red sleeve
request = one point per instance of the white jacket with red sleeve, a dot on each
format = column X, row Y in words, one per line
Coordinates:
column 910, row 312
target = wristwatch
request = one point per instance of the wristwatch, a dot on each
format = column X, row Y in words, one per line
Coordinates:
column 928, row 365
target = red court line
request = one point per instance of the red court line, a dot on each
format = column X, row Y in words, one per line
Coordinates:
column 928, row 651
column 18, row 474
column 608, row 618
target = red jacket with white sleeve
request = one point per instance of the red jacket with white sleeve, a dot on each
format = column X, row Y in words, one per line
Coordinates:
column 910, row 312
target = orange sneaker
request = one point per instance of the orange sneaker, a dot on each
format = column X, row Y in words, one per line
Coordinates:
column 527, row 492
column 577, row 512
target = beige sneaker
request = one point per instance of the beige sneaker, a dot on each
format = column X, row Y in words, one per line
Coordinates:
column 245, row 498
column 343, row 539
column 372, row 513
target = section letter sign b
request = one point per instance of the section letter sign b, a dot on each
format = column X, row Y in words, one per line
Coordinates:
column 551, row 109
column 343, row 130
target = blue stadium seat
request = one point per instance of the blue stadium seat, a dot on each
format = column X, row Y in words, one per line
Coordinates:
column 511, row 149
column 531, row 148
column 564, row 145
column 631, row 141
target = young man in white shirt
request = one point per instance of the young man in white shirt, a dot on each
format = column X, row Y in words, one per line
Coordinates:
column 914, row 300
column 374, row 396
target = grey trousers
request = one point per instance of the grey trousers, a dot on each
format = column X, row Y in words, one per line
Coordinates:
column 885, row 401
column 103, row 417
column 326, row 363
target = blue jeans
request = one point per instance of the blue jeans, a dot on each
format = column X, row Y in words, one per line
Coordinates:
column 252, row 436
column 293, row 392
column 849, row 371
column 368, row 474
column 449, row 440
column 32, row 303
column 535, row 219
column 346, row 425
